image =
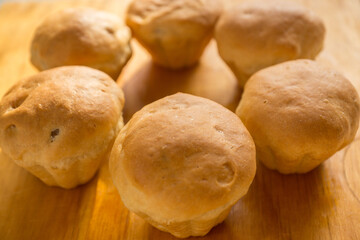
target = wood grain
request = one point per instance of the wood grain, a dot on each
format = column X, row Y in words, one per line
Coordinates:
column 323, row 204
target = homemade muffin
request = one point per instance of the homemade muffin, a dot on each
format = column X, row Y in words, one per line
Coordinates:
column 299, row 114
column 252, row 36
column 82, row 36
column 60, row 123
column 175, row 32
column 182, row 162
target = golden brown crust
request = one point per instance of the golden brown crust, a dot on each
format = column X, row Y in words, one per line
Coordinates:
column 181, row 162
column 252, row 36
column 299, row 114
column 59, row 123
column 175, row 32
column 82, row 36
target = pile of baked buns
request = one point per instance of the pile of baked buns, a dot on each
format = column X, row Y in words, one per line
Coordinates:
column 182, row 161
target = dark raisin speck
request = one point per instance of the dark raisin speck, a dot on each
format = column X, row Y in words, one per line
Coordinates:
column 53, row 134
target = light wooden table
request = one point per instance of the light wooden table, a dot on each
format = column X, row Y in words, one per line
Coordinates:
column 323, row 204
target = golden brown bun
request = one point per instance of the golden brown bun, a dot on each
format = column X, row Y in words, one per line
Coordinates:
column 182, row 162
column 252, row 36
column 299, row 114
column 59, row 123
column 175, row 32
column 82, row 36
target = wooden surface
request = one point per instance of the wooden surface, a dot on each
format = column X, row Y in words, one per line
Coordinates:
column 323, row 204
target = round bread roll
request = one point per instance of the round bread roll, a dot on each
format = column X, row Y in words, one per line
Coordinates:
column 175, row 32
column 182, row 162
column 252, row 36
column 60, row 123
column 299, row 114
column 82, row 36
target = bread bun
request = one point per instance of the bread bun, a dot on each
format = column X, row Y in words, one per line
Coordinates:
column 252, row 36
column 82, row 36
column 175, row 32
column 299, row 114
column 60, row 123
column 182, row 162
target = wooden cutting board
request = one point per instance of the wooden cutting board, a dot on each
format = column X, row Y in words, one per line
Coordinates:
column 322, row 204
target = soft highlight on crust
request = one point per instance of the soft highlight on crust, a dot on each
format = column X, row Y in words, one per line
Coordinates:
column 82, row 36
column 59, row 124
column 255, row 35
column 182, row 162
column 174, row 32
column 299, row 114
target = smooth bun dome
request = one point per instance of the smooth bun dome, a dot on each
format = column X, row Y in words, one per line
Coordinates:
column 60, row 123
column 82, row 36
column 252, row 36
column 182, row 162
column 175, row 32
column 299, row 114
